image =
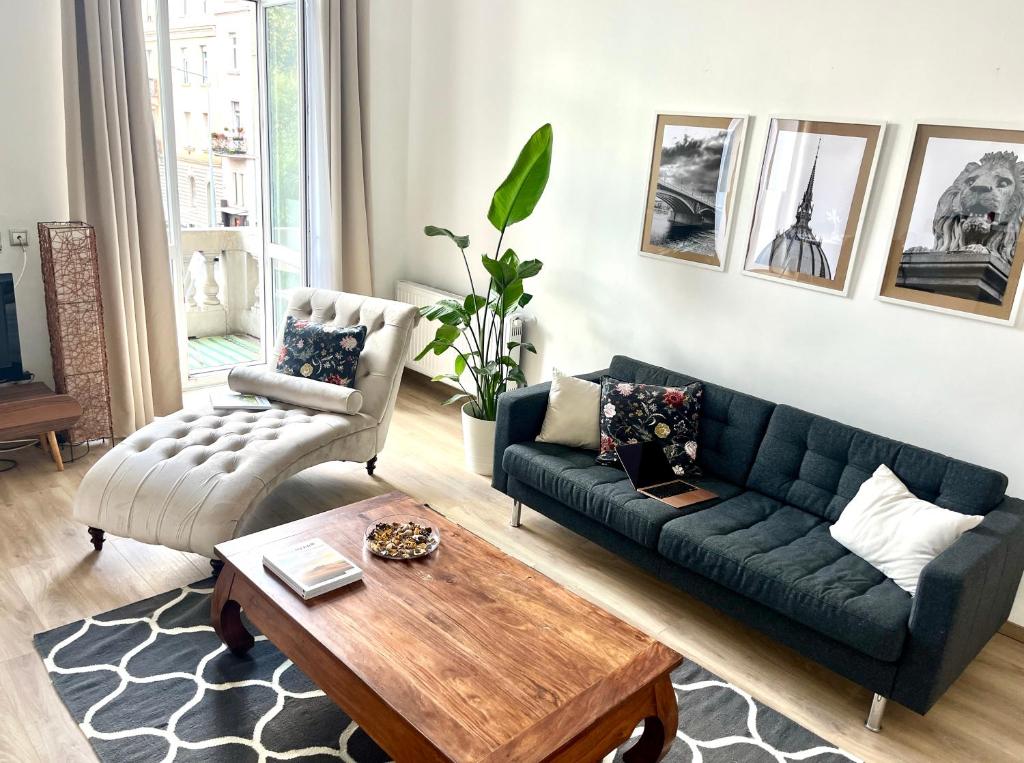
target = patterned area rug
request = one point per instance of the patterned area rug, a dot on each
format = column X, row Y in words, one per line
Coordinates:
column 151, row 681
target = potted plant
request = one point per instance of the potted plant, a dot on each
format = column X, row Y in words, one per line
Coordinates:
column 474, row 329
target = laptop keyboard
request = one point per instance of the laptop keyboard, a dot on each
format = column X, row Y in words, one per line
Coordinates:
column 669, row 489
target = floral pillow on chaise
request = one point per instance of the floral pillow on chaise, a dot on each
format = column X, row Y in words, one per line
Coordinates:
column 642, row 412
column 321, row 352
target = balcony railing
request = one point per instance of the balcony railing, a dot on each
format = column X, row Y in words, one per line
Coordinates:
column 222, row 296
column 228, row 143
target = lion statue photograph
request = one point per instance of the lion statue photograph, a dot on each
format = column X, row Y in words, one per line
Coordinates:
column 981, row 211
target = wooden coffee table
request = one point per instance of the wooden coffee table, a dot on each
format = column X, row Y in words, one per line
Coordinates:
column 465, row 655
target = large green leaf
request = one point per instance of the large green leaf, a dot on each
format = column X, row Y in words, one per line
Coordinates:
column 460, row 241
column 510, row 295
column 530, row 268
column 519, row 193
column 528, row 346
column 498, row 272
column 473, row 304
column 448, row 311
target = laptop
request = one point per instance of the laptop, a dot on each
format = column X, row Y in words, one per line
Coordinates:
column 651, row 474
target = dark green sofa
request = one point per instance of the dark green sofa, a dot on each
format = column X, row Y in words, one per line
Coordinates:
column 762, row 552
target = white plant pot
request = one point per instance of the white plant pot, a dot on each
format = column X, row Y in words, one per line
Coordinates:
column 478, row 443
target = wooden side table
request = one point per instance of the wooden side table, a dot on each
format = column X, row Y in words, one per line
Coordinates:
column 34, row 410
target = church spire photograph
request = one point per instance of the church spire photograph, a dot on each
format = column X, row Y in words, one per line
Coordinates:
column 813, row 183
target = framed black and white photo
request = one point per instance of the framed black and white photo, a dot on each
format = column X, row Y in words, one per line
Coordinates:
column 691, row 188
column 811, row 194
column 956, row 246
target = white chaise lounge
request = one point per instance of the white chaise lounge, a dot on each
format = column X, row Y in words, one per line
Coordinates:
column 188, row 480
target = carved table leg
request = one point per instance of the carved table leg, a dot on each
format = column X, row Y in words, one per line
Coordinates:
column 226, row 615
column 659, row 729
column 96, row 536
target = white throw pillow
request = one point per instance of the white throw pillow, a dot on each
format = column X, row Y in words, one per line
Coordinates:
column 572, row 415
column 896, row 532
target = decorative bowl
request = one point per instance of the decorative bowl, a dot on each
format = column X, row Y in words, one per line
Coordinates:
column 401, row 536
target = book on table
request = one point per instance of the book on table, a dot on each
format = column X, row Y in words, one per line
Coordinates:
column 311, row 568
column 237, row 401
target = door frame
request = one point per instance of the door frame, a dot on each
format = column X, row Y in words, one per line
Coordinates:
column 269, row 247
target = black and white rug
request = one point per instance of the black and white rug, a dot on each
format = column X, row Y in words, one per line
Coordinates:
column 151, row 682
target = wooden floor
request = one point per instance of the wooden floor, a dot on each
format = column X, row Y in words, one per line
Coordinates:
column 49, row 575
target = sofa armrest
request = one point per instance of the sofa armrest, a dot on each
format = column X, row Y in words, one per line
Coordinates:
column 963, row 597
column 520, row 416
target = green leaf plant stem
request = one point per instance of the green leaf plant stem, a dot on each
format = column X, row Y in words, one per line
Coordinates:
column 486, row 352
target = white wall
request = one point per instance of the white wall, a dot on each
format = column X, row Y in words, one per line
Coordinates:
column 33, row 178
column 482, row 76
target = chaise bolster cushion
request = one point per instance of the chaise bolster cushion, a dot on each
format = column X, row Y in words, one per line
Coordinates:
column 602, row 493
column 786, row 559
column 309, row 393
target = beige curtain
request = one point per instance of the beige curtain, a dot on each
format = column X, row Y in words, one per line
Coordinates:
column 341, row 234
column 114, row 184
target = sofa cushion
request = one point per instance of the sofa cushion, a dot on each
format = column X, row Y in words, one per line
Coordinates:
column 818, row 465
column 732, row 424
column 785, row 559
column 602, row 493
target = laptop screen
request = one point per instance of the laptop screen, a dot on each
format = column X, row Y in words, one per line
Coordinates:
column 645, row 464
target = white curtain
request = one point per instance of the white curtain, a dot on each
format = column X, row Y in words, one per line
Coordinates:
column 338, row 213
column 114, row 184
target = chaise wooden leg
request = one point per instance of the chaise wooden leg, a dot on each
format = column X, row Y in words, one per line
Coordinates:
column 42, row 442
column 96, row 536
column 371, row 465
column 55, row 450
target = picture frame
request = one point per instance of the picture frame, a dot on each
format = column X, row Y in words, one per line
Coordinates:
column 788, row 241
column 694, row 229
column 941, row 225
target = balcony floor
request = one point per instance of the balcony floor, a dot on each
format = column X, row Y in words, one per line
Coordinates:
column 209, row 352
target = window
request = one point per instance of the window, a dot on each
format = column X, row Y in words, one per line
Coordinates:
column 184, row 66
column 236, row 115
column 188, row 130
column 183, row 8
column 233, row 37
column 239, row 189
column 284, row 125
column 192, row 190
column 205, row 63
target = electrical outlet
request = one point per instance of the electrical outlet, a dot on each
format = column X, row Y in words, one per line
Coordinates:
column 18, row 237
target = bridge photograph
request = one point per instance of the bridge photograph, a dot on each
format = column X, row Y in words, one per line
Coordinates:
column 689, row 156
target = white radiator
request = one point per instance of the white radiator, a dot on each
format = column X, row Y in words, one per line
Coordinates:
column 431, row 364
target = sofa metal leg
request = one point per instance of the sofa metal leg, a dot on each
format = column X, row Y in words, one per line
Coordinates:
column 874, row 722
column 96, row 536
column 371, row 465
column 517, row 512
column 216, row 565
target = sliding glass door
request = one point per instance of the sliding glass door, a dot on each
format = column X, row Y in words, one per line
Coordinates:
column 284, row 130
column 226, row 84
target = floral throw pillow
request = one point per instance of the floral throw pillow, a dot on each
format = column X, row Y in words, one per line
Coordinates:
column 321, row 352
column 643, row 412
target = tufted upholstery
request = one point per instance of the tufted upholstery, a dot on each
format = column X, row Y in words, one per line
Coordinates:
column 389, row 327
column 731, row 423
column 818, row 465
column 785, row 558
column 602, row 493
column 186, row 480
column 763, row 553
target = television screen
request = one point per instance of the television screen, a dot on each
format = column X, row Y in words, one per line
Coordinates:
column 10, row 347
